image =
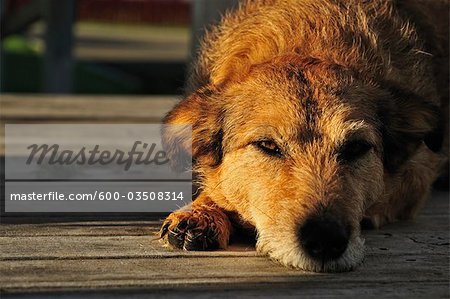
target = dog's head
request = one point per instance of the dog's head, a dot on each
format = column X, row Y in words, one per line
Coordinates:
column 300, row 148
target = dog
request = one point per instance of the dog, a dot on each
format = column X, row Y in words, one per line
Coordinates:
column 310, row 117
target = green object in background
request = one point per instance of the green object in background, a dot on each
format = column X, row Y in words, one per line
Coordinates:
column 21, row 65
column 21, row 72
column 18, row 44
column 22, row 60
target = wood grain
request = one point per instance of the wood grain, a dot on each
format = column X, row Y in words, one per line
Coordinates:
column 57, row 107
column 119, row 258
column 28, row 109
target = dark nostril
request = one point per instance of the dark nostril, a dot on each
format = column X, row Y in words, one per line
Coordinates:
column 323, row 239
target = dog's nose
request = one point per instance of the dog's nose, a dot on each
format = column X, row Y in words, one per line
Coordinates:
column 324, row 239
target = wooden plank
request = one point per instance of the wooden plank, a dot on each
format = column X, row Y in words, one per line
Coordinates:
column 100, row 246
column 100, row 228
column 59, row 108
column 175, row 271
column 102, row 242
column 402, row 260
column 82, row 109
column 139, row 241
column 275, row 289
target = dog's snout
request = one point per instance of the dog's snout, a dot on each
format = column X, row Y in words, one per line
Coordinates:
column 323, row 239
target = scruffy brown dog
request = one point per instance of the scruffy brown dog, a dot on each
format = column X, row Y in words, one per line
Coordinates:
column 309, row 116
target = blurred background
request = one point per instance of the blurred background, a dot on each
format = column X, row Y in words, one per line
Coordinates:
column 101, row 46
column 96, row 61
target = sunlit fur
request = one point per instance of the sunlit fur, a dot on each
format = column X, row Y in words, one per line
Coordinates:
column 311, row 75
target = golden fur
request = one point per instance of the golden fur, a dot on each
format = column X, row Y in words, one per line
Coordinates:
column 313, row 108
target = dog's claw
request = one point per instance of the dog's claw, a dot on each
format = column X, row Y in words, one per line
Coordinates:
column 164, row 229
column 176, row 238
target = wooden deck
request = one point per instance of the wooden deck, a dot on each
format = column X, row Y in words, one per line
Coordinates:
column 121, row 258
column 26, row 109
column 91, row 258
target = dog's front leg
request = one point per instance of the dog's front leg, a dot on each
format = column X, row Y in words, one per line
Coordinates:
column 203, row 226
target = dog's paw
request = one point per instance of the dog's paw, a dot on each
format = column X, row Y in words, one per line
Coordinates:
column 200, row 229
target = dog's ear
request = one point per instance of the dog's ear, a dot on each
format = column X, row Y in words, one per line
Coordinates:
column 192, row 131
column 407, row 121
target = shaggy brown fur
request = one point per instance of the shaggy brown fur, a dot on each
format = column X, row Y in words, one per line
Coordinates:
column 309, row 116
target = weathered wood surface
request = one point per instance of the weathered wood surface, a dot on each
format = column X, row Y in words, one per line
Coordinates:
column 122, row 259
column 16, row 108
column 81, row 109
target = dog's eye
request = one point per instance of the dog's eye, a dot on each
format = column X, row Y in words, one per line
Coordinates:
column 353, row 150
column 269, row 148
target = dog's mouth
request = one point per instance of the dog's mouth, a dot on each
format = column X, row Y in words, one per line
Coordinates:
column 318, row 246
